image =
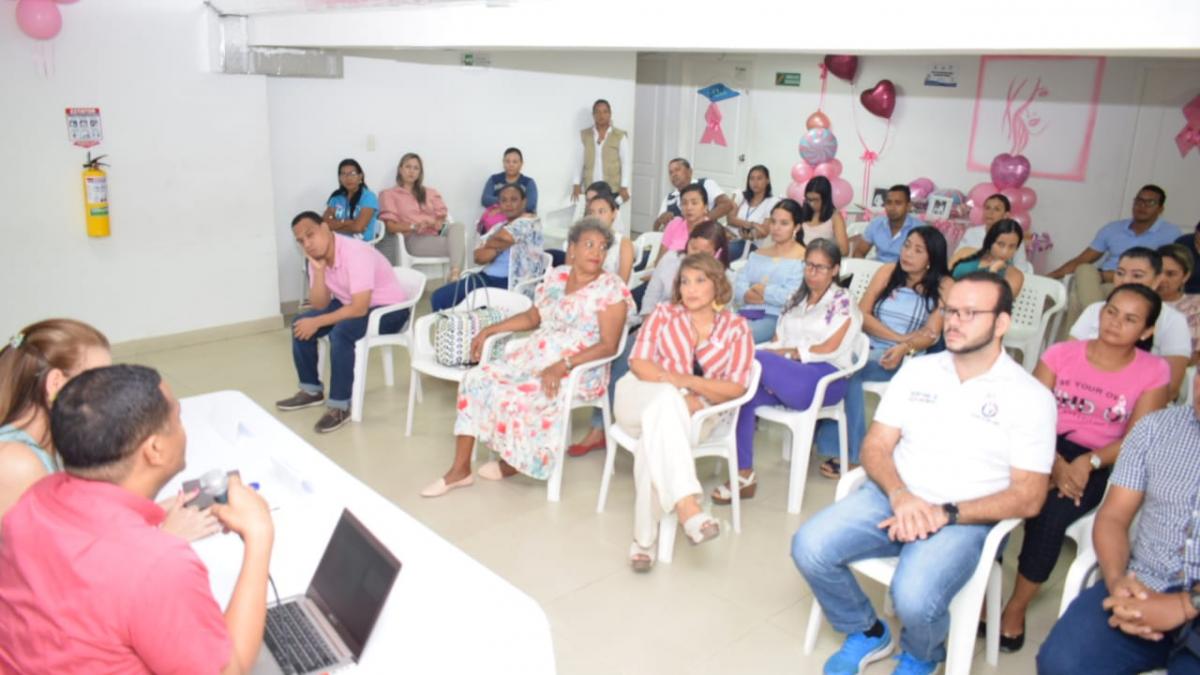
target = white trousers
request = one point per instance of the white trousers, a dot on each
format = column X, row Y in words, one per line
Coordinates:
column 663, row 468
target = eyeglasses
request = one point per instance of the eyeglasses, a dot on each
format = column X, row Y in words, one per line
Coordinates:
column 1138, row 201
column 964, row 315
column 817, row 267
column 350, row 174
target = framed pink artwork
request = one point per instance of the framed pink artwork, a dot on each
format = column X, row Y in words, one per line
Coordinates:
column 1042, row 107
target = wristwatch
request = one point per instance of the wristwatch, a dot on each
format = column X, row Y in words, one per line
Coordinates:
column 1194, row 596
column 1095, row 461
column 951, row 510
column 567, row 360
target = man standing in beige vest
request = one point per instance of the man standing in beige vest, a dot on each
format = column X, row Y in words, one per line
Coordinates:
column 606, row 155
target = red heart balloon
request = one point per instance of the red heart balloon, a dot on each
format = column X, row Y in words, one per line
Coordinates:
column 842, row 65
column 881, row 99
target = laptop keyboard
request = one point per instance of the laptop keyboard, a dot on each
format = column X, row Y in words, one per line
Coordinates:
column 294, row 642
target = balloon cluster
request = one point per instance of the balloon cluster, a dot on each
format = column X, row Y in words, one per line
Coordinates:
column 1009, row 173
column 40, row 19
column 818, row 147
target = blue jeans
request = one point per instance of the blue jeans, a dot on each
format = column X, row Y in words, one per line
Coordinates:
column 930, row 573
column 342, row 336
column 1082, row 642
column 856, row 412
column 617, row 370
column 456, row 291
column 736, row 248
column 764, row 329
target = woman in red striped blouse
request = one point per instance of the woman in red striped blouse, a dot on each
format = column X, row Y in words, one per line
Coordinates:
column 690, row 353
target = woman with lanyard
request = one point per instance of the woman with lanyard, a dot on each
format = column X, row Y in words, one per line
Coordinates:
column 822, row 220
column 773, row 272
column 352, row 208
column 751, row 220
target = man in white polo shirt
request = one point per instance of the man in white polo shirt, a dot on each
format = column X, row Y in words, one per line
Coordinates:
column 1172, row 337
column 962, row 439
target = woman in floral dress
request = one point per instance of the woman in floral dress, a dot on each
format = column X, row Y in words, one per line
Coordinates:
column 515, row 406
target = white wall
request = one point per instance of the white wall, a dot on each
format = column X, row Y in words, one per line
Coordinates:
column 190, row 182
column 458, row 119
column 931, row 128
column 854, row 27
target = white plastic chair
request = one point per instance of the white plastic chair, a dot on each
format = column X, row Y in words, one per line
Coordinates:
column 423, row 360
column 964, row 608
column 526, row 286
column 802, row 423
column 863, row 271
column 413, row 283
column 1031, row 317
column 721, row 442
column 1186, row 390
column 569, row 389
column 409, row 260
column 645, row 240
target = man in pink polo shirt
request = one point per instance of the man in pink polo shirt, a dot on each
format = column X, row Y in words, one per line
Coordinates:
column 348, row 278
column 89, row 583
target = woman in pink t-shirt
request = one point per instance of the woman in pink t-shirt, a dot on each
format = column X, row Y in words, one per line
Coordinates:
column 1103, row 387
column 693, row 202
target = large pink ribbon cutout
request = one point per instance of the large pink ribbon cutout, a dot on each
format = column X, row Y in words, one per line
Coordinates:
column 1189, row 136
column 712, row 132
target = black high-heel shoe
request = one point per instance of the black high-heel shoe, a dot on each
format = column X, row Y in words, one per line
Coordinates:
column 1008, row 644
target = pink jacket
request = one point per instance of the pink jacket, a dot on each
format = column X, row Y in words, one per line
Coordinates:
column 399, row 205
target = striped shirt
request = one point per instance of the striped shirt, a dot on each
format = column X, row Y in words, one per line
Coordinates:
column 1161, row 459
column 904, row 311
column 667, row 339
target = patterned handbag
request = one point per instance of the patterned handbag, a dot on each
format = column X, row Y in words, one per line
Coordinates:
column 453, row 332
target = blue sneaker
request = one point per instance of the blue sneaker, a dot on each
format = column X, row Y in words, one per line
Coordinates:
column 857, row 651
column 911, row 665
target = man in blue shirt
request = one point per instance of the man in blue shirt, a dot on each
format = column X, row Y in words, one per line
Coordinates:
column 1093, row 281
column 1192, row 242
column 886, row 233
column 1144, row 229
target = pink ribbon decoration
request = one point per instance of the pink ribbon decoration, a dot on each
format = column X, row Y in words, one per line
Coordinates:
column 824, row 81
column 712, row 132
column 1189, row 136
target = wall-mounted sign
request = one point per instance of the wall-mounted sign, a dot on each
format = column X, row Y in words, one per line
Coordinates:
column 942, row 75
column 787, row 79
column 83, row 127
column 476, row 60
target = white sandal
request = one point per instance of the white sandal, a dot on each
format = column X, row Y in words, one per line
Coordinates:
column 641, row 559
column 701, row 527
column 747, row 486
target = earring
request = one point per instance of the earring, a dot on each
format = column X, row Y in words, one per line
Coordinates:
column 717, row 306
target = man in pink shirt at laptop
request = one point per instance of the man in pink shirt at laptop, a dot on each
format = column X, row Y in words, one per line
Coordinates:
column 89, row 582
column 347, row 278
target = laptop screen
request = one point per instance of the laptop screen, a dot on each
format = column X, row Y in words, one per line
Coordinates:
column 352, row 581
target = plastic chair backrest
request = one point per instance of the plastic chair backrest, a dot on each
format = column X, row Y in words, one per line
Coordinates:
column 1030, row 311
column 508, row 302
column 412, row 281
column 863, row 271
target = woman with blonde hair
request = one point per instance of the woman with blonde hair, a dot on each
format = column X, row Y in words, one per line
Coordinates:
column 415, row 211
column 35, row 365
column 691, row 353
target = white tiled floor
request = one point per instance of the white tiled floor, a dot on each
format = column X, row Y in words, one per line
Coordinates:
column 734, row 605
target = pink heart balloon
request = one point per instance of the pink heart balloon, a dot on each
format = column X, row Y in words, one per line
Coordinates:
column 881, row 99
column 1010, row 171
column 843, row 66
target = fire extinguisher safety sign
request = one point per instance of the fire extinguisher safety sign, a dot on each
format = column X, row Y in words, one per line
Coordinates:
column 83, row 127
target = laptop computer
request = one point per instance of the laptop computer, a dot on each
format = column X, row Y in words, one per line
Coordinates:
column 328, row 626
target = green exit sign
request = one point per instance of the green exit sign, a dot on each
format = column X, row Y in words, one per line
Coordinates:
column 787, row 79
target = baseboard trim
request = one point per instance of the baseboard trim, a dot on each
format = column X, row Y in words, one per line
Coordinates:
column 132, row 348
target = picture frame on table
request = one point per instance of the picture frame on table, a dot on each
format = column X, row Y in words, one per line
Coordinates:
column 939, row 208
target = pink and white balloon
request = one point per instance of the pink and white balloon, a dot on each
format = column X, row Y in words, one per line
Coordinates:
column 817, row 148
